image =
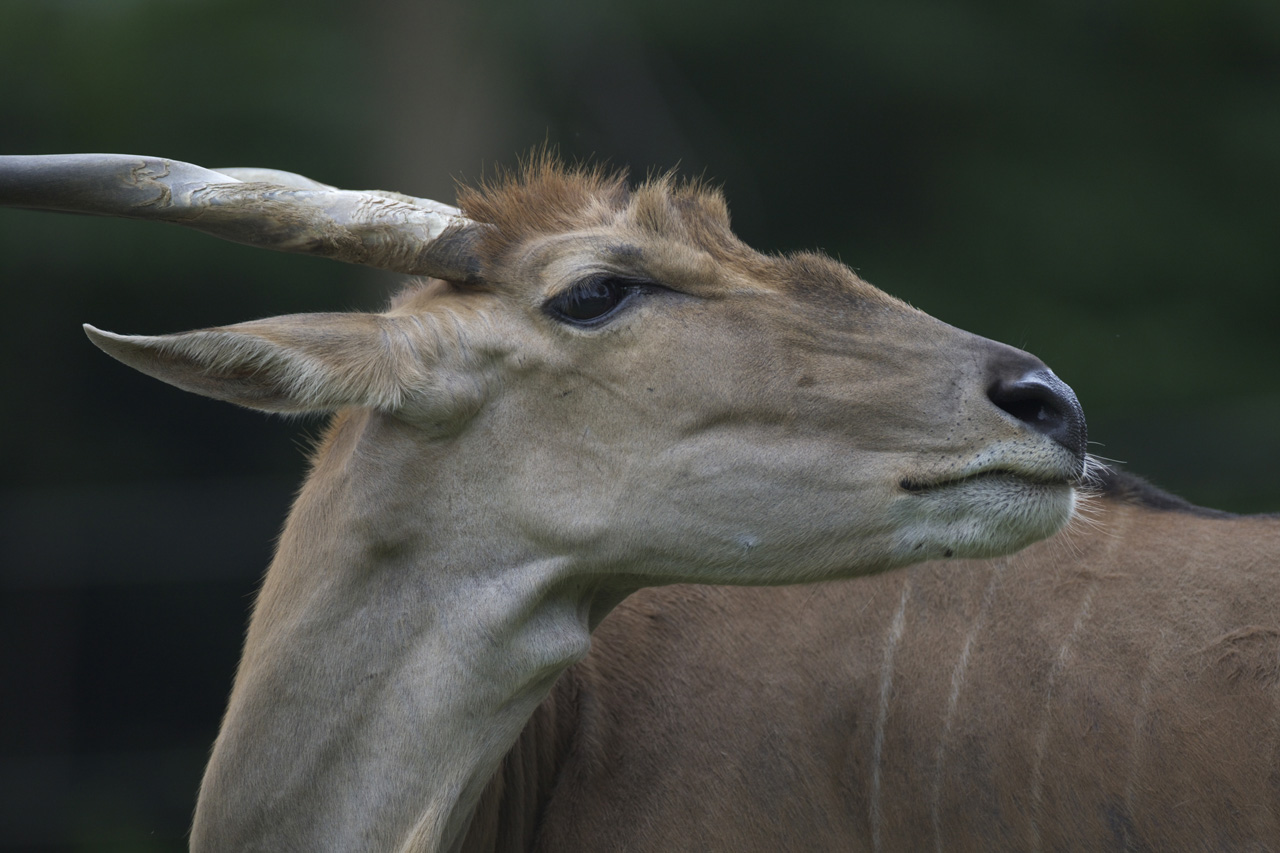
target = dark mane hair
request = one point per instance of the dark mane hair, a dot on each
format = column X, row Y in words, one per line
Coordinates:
column 1124, row 486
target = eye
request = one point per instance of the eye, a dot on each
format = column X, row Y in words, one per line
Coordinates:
column 592, row 301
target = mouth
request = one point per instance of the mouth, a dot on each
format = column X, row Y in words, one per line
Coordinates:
column 918, row 486
column 982, row 512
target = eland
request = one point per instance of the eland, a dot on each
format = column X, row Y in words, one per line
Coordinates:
column 594, row 389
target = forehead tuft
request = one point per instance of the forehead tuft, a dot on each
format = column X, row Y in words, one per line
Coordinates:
column 684, row 223
column 544, row 197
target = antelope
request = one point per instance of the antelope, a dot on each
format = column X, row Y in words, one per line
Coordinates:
column 595, row 389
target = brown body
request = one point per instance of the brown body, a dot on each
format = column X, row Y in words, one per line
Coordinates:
column 1116, row 687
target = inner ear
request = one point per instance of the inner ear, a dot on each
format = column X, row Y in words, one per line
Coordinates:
column 295, row 363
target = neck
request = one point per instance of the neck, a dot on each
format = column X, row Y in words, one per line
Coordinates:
column 510, row 812
column 390, row 665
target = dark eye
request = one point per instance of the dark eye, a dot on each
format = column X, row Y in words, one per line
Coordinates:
column 591, row 301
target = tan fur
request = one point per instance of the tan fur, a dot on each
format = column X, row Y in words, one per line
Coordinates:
column 1111, row 689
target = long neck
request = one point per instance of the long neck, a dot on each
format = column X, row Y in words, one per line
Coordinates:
column 390, row 663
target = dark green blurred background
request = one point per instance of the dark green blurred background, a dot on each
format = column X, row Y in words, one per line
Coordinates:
column 1094, row 181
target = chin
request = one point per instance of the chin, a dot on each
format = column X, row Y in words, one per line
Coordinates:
column 981, row 517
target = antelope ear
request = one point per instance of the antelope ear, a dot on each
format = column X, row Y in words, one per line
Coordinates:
column 295, row 363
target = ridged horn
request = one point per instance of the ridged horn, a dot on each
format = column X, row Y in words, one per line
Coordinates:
column 259, row 207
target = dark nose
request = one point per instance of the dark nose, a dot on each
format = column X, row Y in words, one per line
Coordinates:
column 1045, row 404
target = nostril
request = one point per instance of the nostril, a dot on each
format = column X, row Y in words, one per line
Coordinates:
column 1045, row 404
column 1032, row 412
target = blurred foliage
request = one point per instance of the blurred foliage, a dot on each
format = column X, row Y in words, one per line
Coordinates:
column 1094, row 181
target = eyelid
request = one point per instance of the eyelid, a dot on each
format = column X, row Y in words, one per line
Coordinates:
column 627, row 279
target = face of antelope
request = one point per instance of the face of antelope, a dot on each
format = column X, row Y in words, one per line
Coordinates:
column 630, row 387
